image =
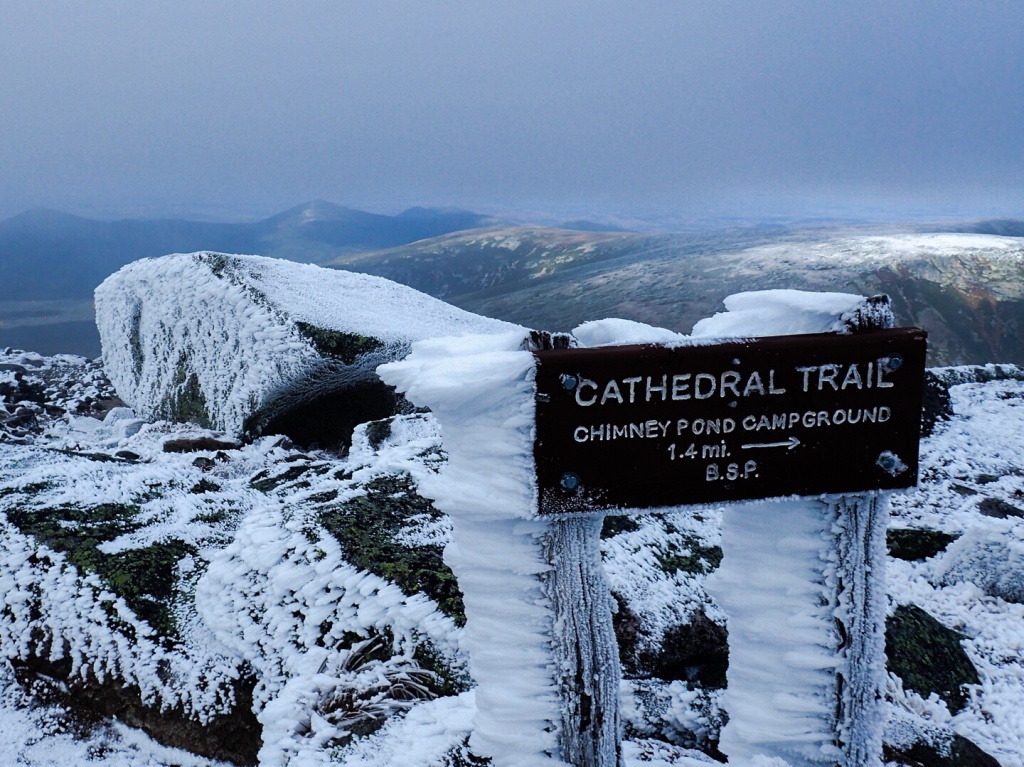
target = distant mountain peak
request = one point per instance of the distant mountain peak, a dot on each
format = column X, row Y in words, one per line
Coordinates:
column 420, row 212
column 43, row 217
column 316, row 210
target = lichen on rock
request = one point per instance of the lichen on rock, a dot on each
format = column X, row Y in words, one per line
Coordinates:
column 927, row 656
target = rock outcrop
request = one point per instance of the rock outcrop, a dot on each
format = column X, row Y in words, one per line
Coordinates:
column 244, row 344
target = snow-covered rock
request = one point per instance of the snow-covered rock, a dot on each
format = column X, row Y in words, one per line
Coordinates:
column 788, row 312
column 231, row 342
column 990, row 555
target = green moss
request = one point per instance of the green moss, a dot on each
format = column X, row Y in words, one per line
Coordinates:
column 695, row 558
column 377, row 432
column 998, row 508
column 135, row 339
column 366, row 528
column 186, row 401
column 618, row 523
column 958, row 752
column 927, row 656
column 911, row 545
column 33, row 488
column 144, row 578
column 204, row 486
column 450, row 682
column 212, row 517
column 333, row 343
column 265, row 482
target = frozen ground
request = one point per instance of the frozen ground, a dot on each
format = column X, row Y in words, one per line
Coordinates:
column 972, row 485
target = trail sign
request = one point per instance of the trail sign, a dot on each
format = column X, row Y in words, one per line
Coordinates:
column 653, row 426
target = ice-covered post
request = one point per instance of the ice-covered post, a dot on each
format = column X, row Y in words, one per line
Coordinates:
column 541, row 441
column 585, row 649
column 803, row 585
column 538, row 611
column 828, row 421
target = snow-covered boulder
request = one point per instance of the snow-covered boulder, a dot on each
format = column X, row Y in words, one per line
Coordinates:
column 990, row 555
column 233, row 342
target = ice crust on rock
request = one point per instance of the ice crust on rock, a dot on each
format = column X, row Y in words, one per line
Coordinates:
column 990, row 554
column 229, row 341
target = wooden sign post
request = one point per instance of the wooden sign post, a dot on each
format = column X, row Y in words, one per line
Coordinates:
column 568, row 435
column 649, row 427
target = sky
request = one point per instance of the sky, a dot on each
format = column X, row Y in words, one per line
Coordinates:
column 238, row 110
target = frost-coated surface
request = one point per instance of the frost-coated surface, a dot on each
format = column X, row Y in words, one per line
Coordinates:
column 266, row 548
column 223, row 332
column 616, row 332
column 859, row 556
column 584, row 644
column 789, row 572
column 481, row 390
column 778, row 313
column 782, row 640
column 969, row 464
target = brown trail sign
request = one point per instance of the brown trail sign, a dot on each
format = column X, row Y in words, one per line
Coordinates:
column 653, row 426
column 587, row 431
column 650, row 427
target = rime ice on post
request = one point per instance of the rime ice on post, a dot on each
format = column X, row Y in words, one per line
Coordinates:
column 538, row 609
column 481, row 390
column 572, row 433
column 803, row 584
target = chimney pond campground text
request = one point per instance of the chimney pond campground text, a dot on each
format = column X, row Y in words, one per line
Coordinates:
column 713, row 440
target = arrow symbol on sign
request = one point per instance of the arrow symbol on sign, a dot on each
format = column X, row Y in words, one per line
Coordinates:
column 789, row 444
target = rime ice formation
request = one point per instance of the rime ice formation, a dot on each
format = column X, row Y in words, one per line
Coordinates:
column 481, row 390
column 614, row 332
column 788, row 312
column 782, row 643
column 231, row 341
column 791, row 572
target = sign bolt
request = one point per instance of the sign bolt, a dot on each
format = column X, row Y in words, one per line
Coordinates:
column 895, row 362
column 570, row 481
column 891, row 463
column 568, row 381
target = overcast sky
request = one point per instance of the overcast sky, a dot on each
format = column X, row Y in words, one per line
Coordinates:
column 244, row 108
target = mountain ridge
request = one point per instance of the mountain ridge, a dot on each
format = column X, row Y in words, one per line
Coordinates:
column 49, row 254
column 966, row 289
